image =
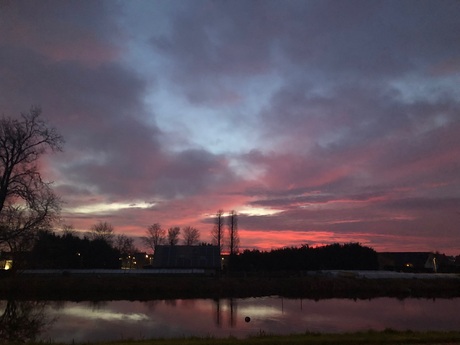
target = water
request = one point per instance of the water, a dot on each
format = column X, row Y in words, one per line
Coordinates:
column 115, row 320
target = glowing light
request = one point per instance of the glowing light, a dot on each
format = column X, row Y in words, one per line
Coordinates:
column 8, row 264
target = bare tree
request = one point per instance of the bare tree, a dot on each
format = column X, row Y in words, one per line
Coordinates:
column 19, row 224
column 22, row 143
column 102, row 231
column 191, row 236
column 125, row 244
column 27, row 203
column 68, row 229
column 234, row 239
column 155, row 236
column 173, row 235
column 218, row 230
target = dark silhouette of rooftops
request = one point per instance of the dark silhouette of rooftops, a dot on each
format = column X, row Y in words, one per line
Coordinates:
column 205, row 256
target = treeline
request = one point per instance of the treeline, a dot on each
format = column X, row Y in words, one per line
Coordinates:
column 349, row 256
column 68, row 251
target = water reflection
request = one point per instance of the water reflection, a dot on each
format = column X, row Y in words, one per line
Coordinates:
column 116, row 320
column 227, row 306
column 22, row 321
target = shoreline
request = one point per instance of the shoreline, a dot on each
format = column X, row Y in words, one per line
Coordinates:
column 388, row 336
column 344, row 284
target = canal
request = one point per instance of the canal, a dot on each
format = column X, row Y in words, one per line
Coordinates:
column 116, row 320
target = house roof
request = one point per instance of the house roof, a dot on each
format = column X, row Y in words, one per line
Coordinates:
column 187, row 257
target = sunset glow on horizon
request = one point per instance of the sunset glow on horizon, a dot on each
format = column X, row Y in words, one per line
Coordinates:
column 316, row 121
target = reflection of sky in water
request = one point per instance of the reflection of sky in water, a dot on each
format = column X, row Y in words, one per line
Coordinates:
column 80, row 311
column 84, row 321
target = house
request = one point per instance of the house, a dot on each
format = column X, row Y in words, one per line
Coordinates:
column 205, row 257
column 135, row 261
column 408, row 261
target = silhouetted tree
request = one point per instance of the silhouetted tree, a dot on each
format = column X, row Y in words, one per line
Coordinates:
column 27, row 203
column 155, row 236
column 173, row 235
column 218, row 230
column 22, row 143
column 54, row 251
column 68, row 229
column 100, row 254
column 102, row 231
column 69, row 251
column 125, row 244
column 234, row 240
column 352, row 256
column 191, row 236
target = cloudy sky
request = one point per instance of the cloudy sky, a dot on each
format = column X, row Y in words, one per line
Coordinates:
column 317, row 121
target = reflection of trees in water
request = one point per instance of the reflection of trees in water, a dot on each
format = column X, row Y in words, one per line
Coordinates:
column 171, row 302
column 22, row 321
column 151, row 305
column 97, row 305
column 231, row 312
column 58, row 305
column 218, row 311
column 188, row 303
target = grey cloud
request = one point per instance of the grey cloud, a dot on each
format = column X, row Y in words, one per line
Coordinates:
column 98, row 111
column 61, row 31
column 327, row 40
column 223, row 38
column 451, row 206
column 191, row 172
column 112, row 144
column 212, row 43
column 362, row 39
column 316, row 199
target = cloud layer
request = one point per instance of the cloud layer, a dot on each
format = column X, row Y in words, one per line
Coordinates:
column 319, row 122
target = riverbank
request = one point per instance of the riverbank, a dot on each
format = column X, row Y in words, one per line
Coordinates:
column 79, row 287
column 389, row 337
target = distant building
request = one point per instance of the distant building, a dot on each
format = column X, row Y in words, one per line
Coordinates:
column 135, row 261
column 408, row 261
column 179, row 257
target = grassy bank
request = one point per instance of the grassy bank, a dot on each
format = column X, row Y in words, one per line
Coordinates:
column 79, row 287
column 385, row 337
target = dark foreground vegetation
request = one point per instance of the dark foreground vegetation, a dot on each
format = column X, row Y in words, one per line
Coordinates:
column 78, row 287
column 68, row 251
column 348, row 256
column 370, row 337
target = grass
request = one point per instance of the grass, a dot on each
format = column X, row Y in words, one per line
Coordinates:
column 370, row 338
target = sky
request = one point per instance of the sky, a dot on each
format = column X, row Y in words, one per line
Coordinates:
column 317, row 121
